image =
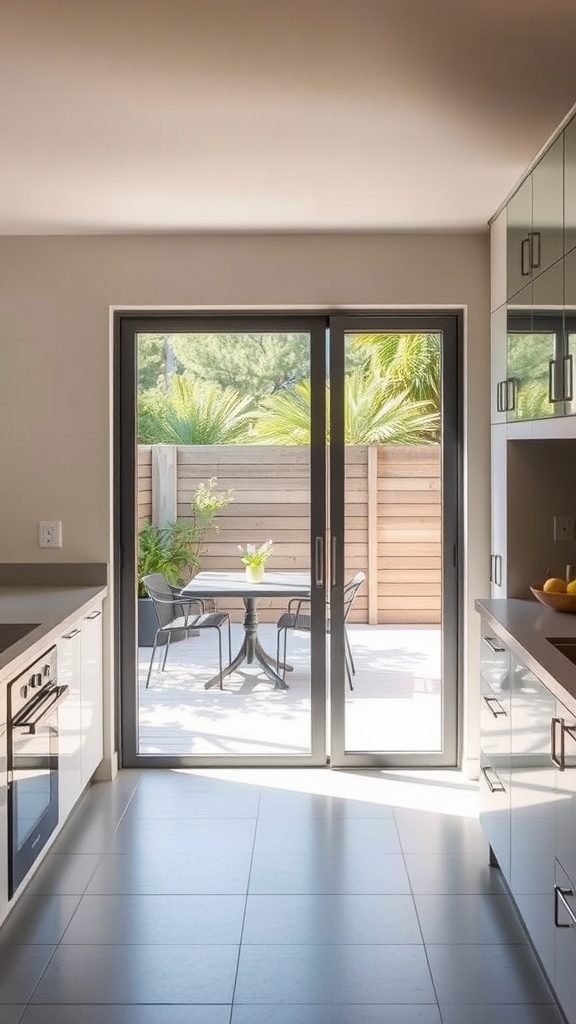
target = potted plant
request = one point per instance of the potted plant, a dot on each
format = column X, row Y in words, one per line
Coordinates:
column 255, row 559
column 175, row 550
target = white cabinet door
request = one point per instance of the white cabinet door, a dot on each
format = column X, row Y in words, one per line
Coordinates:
column 499, row 512
column 91, row 715
column 533, row 809
column 499, row 395
column 69, row 721
column 564, row 754
column 564, row 979
column 498, row 261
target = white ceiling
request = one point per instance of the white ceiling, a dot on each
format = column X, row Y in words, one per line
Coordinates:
column 219, row 115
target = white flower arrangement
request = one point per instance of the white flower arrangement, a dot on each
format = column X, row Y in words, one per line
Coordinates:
column 255, row 556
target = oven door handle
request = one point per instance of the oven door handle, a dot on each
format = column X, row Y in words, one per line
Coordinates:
column 42, row 711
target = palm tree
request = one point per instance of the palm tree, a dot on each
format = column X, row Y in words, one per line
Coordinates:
column 193, row 412
column 409, row 362
column 372, row 415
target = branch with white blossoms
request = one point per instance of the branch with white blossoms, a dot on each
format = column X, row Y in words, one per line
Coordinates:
column 254, row 556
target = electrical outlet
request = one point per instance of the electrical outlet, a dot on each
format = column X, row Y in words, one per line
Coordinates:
column 50, row 534
column 563, row 528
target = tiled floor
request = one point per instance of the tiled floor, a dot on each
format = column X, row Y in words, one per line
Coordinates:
column 271, row 897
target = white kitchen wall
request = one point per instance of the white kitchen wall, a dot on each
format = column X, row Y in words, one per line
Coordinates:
column 56, row 296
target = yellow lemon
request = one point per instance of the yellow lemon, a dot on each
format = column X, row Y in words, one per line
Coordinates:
column 554, row 586
column 571, row 588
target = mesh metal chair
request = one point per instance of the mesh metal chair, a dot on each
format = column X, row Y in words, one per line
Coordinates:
column 177, row 614
column 295, row 618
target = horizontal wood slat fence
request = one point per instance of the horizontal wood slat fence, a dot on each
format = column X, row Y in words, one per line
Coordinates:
column 393, row 517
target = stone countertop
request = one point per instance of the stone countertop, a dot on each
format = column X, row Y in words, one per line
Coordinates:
column 53, row 608
column 525, row 627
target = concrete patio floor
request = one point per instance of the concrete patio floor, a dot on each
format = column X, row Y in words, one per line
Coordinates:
column 395, row 704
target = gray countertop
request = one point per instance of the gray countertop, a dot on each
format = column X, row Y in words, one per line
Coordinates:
column 525, row 627
column 53, row 608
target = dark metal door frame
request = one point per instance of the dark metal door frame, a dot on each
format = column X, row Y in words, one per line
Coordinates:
column 450, row 324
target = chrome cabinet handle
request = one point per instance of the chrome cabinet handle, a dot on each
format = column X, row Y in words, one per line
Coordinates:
column 525, row 257
column 68, row 636
column 510, row 394
column 568, row 378
column 535, row 238
column 333, row 561
column 492, row 700
column 319, row 561
column 94, row 614
column 560, row 895
column 552, row 396
column 558, row 757
column 492, row 643
column 494, row 787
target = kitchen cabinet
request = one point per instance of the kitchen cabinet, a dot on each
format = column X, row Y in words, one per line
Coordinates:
column 3, row 813
column 565, row 941
column 80, row 717
column 498, row 510
column 533, row 808
column 91, row 694
column 495, row 663
column 535, row 220
column 570, row 186
column 69, row 654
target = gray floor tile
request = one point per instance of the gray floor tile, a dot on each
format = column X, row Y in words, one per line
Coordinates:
column 330, row 919
column 432, row 874
column 139, row 974
column 352, row 838
column 281, row 805
column 424, row 832
column 218, row 874
column 201, row 837
column 165, row 781
column 20, row 970
column 317, row 873
column 193, row 804
column 157, row 920
column 350, row 1014
column 38, row 919
column 507, row 1014
column 333, row 974
column 487, row 974
column 64, row 873
column 107, row 1014
column 12, row 1014
column 469, row 918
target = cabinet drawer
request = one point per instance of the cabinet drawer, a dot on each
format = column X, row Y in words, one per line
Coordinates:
column 494, row 663
column 495, row 810
column 495, row 728
column 564, row 979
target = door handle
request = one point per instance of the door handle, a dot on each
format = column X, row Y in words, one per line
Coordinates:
column 319, row 561
column 568, row 378
column 535, row 249
column 494, row 787
column 493, row 701
column 560, row 895
column 525, row 257
column 333, row 561
column 493, row 645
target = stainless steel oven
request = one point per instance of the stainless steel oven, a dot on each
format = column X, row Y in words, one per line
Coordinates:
column 33, row 701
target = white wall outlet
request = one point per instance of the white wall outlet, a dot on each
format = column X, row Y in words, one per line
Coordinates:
column 563, row 528
column 50, row 534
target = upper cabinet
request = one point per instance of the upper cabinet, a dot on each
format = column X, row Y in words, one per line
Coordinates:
column 535, row 220
column 518, row 238
column 570, row 186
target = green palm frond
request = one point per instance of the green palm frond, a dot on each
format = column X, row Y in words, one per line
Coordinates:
column 193, row 412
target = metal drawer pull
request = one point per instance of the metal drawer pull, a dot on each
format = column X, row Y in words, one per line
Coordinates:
column 501, row 711
column 68, row 636
column 94, row 615
column 496, row 787
column 492, row 643
column 560, row 895
column 559, row 758
column 41, row 712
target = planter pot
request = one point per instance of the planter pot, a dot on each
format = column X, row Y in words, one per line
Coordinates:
column 255, row 573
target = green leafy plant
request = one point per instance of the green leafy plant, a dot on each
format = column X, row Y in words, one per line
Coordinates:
column 176, row 550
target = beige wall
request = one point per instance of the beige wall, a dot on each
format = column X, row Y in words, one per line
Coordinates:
column 56, row 294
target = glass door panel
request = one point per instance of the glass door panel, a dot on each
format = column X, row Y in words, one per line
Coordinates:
column 393, row 672
column 225, row 450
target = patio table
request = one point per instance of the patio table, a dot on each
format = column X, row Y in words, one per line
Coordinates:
column 219, row 583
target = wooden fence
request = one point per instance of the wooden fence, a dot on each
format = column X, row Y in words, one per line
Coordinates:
column 393, row 516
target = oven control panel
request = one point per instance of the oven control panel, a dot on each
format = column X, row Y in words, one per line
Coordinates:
column 38, row 676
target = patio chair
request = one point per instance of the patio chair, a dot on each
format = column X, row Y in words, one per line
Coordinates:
column 177, row 614
column 295, row 618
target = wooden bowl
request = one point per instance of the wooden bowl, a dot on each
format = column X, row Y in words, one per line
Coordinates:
column 558, row 602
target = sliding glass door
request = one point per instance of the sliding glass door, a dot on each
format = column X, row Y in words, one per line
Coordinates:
column 331, row 443
column 394, row 501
